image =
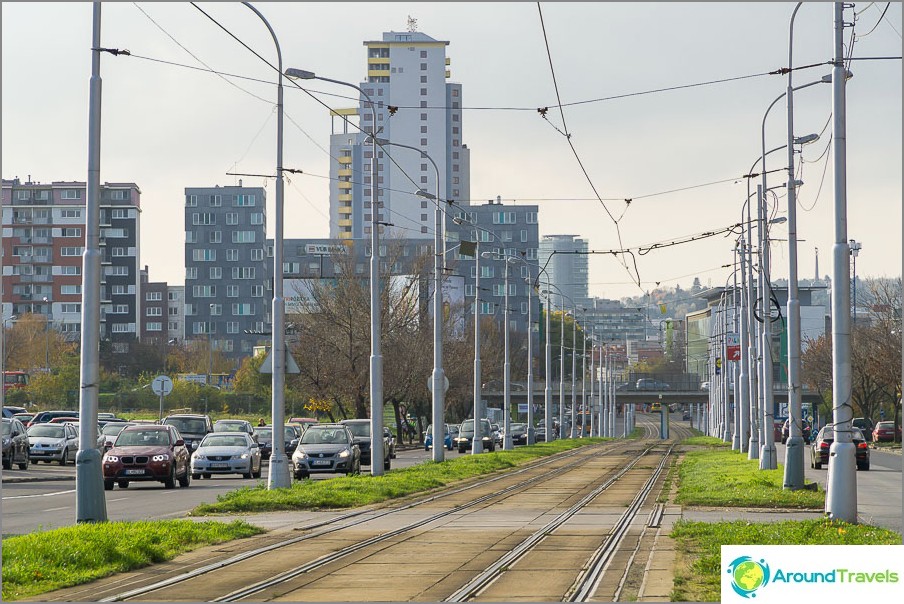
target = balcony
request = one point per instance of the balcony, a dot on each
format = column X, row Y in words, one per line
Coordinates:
column 345, row 209
column 345, row 172
column 345, row 159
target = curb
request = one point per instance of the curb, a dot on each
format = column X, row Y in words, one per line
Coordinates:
column 15, row 479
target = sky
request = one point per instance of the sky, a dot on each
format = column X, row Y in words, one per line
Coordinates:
column 662, row 103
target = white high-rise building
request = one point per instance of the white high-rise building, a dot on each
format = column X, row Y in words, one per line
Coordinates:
column 565, row 259
column 416, row 105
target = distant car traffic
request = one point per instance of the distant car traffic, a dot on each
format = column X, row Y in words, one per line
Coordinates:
column 651, row 384
column 192, row 427
column 360, row 429
column 226, row 453
column 466, row 435
column 15, row 444
column 326, row 448
column 865, row 424
column 819, row 451
column 387, row 433
column 53, row 442
column 111, row 430
column 786, row 431
column 233, row 425
column 447, row 437
column 147, row 453
column 519, row 433
column 886, row 432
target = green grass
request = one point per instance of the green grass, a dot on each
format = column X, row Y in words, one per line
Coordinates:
column 717, row 476
column 63, row 557
column 698, row 568
column 353, row 491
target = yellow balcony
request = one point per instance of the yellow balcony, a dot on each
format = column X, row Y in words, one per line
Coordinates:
column 378, row 61
column 345, row 222
column 345, row 159
column 345, row 172
column 345, row 209
column 448, row 61
column 344, row 186
column 345, row 197
column 345, row 235
column 344, row 112
column 378, row 73
column 448, row 74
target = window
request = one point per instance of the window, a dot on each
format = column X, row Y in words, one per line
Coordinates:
column 153, row 326
column 73, row 232
column 67, row 290
column 215, row 237
column 203, row 218
column 531, row 253
column 423, row 92
column 232, row 218
column 216, row 201
column 244, row 200
column 232, row 255
column 191, row 201
column 123, row 328
column 423, row 129
column 191, row 237
column 204, row 255
column 70, row 251
column 204, row 291
column 172, row 296
column 120, row 309
column 173, row 311
column 72, row 270
column 242, row 309
column 216, row 272
column 503, row 218
column 153, row 296
column 71, row 307
column 232, row 291
column 257, row 218
column 216, row 310
column 423, row 141
column 243, row 272
column 423, row 79
column 243, row 236
column 120, row 252
column 119, row 195
column 487, row 272
column 530, row 217
column 424, row 55
column 23, row 195
column 191, row 273
column 71, row 194
column 232, row 327
column 173, row 325
column 120, row 213
column 486, row 308
column 257, row 254
column 523, row 235
column 70, row 214
column 153, row 311
column 257, row 291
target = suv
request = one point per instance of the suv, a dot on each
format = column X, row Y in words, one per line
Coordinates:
column 193, row 428
column 651, row 384
column 147, row 453
column 360, row 429
column 466, row 434
column 865, row 424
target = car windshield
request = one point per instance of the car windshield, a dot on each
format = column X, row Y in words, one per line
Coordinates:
column 882, row 425
column 224, row 440
column 142, row 438
column 263, row 432
column 324, row 437
column 467, row 426
column 112, row 429
column 359, row 429
column 222, row 426
column 188, row 425
column 290, row 433
column 46, row 430
column 430, row 430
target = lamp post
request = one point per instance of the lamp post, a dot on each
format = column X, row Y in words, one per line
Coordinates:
column 279, row 476
column 855, row 251
column 376, row 357
column 506, row 366
column 583, row 384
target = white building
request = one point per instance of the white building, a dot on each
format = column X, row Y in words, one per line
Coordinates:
column 565, row 259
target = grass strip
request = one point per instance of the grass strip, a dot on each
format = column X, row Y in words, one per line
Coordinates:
column 48, row 560
column 698, row 572
column 354, row 491
column 712, row 474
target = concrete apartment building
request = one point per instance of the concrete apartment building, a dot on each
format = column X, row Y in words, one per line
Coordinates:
column 415, row 105
column 567, row 268
column 163, row 317
column 43, row 241
column 227, row 271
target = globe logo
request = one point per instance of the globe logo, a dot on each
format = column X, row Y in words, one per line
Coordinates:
column 748, row 575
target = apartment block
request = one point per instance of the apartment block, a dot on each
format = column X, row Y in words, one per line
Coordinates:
column 44, row 229
column 227, row 272
column 565, row 259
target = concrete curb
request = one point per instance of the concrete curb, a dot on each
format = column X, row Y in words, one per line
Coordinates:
column 15, row 479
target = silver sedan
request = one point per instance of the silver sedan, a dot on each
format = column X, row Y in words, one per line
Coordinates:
column 226, row 453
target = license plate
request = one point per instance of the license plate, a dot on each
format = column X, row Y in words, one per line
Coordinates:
column 321, row 462
column 134, row 472
column 219, row 465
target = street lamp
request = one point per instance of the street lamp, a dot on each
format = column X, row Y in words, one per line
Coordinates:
column 506, row 371
column 376, row 358
column 855, row 251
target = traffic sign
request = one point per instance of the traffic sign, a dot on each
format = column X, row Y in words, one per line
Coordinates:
column 445, row 384
column 162, row 385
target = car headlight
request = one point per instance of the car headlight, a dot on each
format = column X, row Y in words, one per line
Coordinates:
column 199, row 456
column 245, row 456
column 110, row 459
column 6, row 442
column 300, row 454
column 344, row 453
column 163, row 457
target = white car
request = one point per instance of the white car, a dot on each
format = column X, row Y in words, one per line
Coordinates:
column 53, row 442
column 226, row 453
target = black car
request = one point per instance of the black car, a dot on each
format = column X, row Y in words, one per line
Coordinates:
column 466, row 436
column 264, row 437
column 360, row 429
column 193, row 428
column 15, row 444
column 819, row 452
column 519, row 433
column 805, row 429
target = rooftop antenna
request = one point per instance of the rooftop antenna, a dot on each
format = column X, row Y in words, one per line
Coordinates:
column 412, row 24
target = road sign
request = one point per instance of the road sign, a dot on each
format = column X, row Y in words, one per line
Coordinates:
column 445, row 384
column 733, row 346
column 267, row 365
column 162, row 385
column 522, row 407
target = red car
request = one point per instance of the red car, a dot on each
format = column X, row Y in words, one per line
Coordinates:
column 885, row 432
column 147, row 453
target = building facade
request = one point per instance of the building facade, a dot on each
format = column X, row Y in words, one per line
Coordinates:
column 227, row 272
column 565, row 259
column 44, row 229
column 414, row 104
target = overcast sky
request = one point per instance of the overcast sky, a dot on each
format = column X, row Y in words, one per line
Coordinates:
column 167, row 127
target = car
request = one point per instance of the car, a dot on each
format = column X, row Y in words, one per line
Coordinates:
column 651, row 384
column 145, row 453
column 704, row 386
column 192, row 427
column 63, row 420
column 99, row 443
column 466, row 435
column 360, row 429
column 786, row 431
column 233, row 425
column 42, row 417
column 886, row 432
column 24, row 417
column 819, row 451
column 264, row 435
column 12, row 411
column 326, row 448
column 15, row 444
column 111, row 430
column 387, row 433
column 540, row 435
column 865, row 424
column 428, row 437
column 497, row 434
column 519, row 433
column 53, row 442
column 304, row 422
column 231, row 452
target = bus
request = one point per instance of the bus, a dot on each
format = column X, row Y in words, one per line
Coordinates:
column 13, row 380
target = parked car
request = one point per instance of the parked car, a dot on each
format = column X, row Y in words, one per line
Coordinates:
column 24, row 417
column 466, row 436
column 497, row 434
column 387, row 433
column 304, row 422
column 360, row 429
column 865, row 424
column 428, row 437
column 264, row 435
column 232, row 452
column 326, row 448
column 99, row 443
column 886, row 432
column 111, row 430
column 651, row 384
column 786, row 431
column 819, row 452
column 53, row 442
column 192, row 427
column 540, row 435
column 42, row 417
column 233, row 425
column 147, row 453
column 519, row 433
column 12, row 410
column 15, row 444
